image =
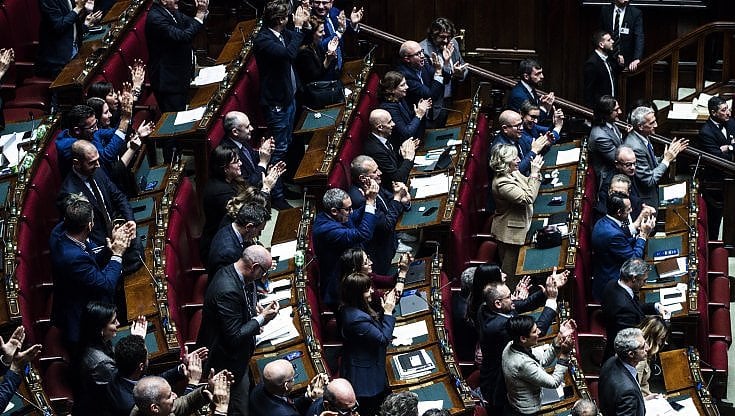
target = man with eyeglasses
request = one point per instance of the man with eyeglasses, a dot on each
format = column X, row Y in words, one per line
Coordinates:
column 619, row 391
column 623, row 180
column 424, row 75
column 231, row 318
column 530, row 114
column 339, row 397
column 337, row 229
column 511, row 129
column 621, row 307
column 271, row 396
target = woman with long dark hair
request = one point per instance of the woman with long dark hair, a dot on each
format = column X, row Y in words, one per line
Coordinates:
column 410, row 121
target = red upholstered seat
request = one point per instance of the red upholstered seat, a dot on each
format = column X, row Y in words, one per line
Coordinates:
column 720, row 328
column 486, row 252
column 192, row 331
column 719, row 291
column 57, row 381
column 718, row 261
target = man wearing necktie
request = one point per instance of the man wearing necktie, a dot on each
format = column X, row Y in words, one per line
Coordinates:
column 82, row 270
column 239, row 134
column 599, row 75
column 716, row 137
column 625, row 24
column 650, row 169
column 336, row 24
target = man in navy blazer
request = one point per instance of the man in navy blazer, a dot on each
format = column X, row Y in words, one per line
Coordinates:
column 619, row 391
column 628, row 35
column 230, row 241
column 275, row 48
column 231, row 318
column 511, row 129
column 271, row 396
column 239, row 134
column 530, row 114
column 614, row 242
column 395, row 165
column 620, row 305
column 598, row 72
column 339, row 396
column 531, row 76
column 60, row 33
column 82, row 270
column 389, row 206
column 425, row 77
column 491, row 320
column 716, row 137
column 336, row 230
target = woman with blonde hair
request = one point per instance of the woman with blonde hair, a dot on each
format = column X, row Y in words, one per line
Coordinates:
column 655, row 332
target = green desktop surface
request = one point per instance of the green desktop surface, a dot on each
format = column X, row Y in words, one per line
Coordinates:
column 541, row 205
column 658, row 244
column 541, row 258
column 438, row 138
column 92, row 37
column 565, row 179
column 4, row 188
column 415, row 218
column 536, row 225
column 142, row 209
column 19, row 126
column 169, row 129
column 435, row 391
column 150, row 337
column 327, row 118
column 297, row 363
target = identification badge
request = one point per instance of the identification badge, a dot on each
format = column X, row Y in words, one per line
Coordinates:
column 624, row 31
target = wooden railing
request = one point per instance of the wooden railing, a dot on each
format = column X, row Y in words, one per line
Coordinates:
column 716, row 35
column 727, row 167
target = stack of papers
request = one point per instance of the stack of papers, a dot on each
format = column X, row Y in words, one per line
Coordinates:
column 675, row 191
column 284, row 251
column 413, row 364
column 189, row 116
column 210, row 75
column 568, row 156
column 404, row 334
column 280, row 329
column 433, row 185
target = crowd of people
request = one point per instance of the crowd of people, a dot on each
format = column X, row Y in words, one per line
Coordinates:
column 300, row 55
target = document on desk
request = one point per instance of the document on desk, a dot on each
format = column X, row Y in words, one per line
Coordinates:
column 404, row 334
column 275, row 296
column 568, row 156
column 9, row 142
column 425, row 405
column 672, row 295
column 433, row 185
column 188, row 116
column 284, row 251
column 280, row 329
column 210, row 75
column 675, row 191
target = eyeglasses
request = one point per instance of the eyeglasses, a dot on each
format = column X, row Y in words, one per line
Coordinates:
column 351, row 410
column 625, row 164
column 515, row 126
column 348, row 209
column 419, row 53
column 90, row 128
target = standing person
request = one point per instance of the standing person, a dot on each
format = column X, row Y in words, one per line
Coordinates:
column 599, row 73
column 275, row 48
column 410, row 121
column 336, row 24
column 424, row 75
column 531, row 75
column 619, row 391
column 314, row 64
column 625, row 24
column 514, row 195
column 511, row 130
column 273, row 395
column 605, row 137
column 655, row 332
column 366, row 334
column 441, row 40
column 231, row 318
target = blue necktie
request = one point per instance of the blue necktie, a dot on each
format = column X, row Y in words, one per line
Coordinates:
column 650, row 151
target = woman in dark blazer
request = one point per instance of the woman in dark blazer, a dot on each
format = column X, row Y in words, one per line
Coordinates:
column 225, row 181
column 366, row 335
column 313, row 63
column 410, row 122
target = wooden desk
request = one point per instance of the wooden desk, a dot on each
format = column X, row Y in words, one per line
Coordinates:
column 287, row 226
column 439, row 370
column 566, row 177
column 268, row 347
column 462, row 113
column 303, row 366
column 309, row 168
column 439, row 389
column 235, row 43
column 324, row 119
column 682, row 376
column 417, row 342
column 350, row 70
column 532, row 260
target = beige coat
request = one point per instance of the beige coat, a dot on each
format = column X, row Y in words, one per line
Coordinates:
column 514, row 196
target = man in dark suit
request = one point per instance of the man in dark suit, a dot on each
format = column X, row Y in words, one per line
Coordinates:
column 109, row 203
column 395, row 166
column 649, row 168
column 625, row 24
column 169, row 34
column 425, row 77
column 511, row 130
column 622, row 180
column 532, row 75
column 238, row 134
column 63, row 23
column 614, row 242
column 338, row 229
column 619, row 391
column 230, row 241
column 271, row 396
column 620, row 305
column 82, row 270
column 339, row 397
column 605, row 137
column 336, row 24
column 716, row 137
column 389, row 206
column 492, row 318
column 275, row 48
column 598, row 72
column 231, row 318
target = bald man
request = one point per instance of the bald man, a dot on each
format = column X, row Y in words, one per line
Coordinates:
column 425, row 78
column 396, row 164
column 153, row 397
column 511, row 128
column 338, row 397
column 271, row 396
column 232, row 317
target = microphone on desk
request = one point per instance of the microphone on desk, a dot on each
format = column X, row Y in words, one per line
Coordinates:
column 370, row 52
column 247, row 3
column 691, row 230
column 242, row 32
column 435, row 244
column 318, row 114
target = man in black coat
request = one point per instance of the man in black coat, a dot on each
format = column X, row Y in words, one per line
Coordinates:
column 620, row 305
column 627, row 34
column 63, row 23
column 239, row 134
column 229, row 242
column 271, row 396
column 232, row 317
column 599, row 72
column 395, row 165
column 619, row 391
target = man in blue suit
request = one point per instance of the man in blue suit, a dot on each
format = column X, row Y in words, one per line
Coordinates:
column 336, row 230
column 619, row 391
column 424, row 75
column 271, row 396
column 336, row 24
column 63, row 24
column 511, row 129
column 532, row 130
column 230, row 241
column 83, row 271
column 614, row 242
column 532, row 75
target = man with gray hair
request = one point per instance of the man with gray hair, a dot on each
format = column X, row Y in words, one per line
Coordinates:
column 619, row 391
column 230, row 241
column 584, row 407
column 648, row 168
column 620, row 305
column 335, row 230
column 404, row 403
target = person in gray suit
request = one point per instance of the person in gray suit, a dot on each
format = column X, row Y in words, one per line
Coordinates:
column 650, row 168
column 605, row 136
column 619, row 391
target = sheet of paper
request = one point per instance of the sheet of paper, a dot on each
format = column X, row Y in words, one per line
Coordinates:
column 280, row 329
column 424, row 160
column 284, row 251
column 677, row 190
column 690, row 409
column 277, row 296
column 404, row 334
column 276, row 285
column 658, row 407
column 430, row 404
column 454, row 142
column 10, row 142
column 568, row 156
column 210, row 75
column 183, row 117
column 702, row 100
column 431, row 185
column 672, row 295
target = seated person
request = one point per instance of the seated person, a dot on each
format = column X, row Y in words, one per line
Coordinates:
column 389, row 205
column 524, row 367
column 106, row 91
column 230, row 241
column 655, row 332
column 271, row 396
column 336, row 230
column 532, row 130
column 339, row 397
column 511, row 127
column 410, row 121
column 395, row 164
column 605, row 137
